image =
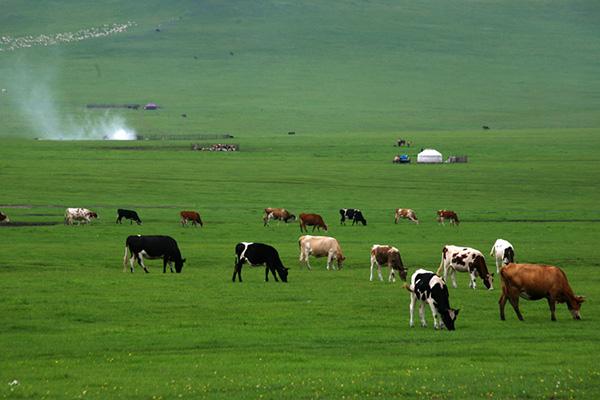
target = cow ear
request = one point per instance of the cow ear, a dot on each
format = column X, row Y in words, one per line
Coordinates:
column 580, row 299
column 287, row 269
column 182, row 261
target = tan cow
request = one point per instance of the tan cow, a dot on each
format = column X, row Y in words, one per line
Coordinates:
column 536, row 282
column 280, row 214
column 320, row 246
column 390, row 256
column 405, row 213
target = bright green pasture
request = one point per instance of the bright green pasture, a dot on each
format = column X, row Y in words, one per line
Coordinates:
column 74, row 325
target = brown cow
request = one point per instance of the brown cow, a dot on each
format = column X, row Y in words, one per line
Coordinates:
column 535, row 282
column 4, row 218
column 280, row 214
column 390, row 256
column 405, row 213
column 190, row 216
column 443, row 215
column 314, row 220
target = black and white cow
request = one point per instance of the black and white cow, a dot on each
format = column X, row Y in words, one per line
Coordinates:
column 3, row 218
column 128, row 214
column 352, row 213
column 259, row 254
column 153, row 247
column 431, row 289
column 503, row 252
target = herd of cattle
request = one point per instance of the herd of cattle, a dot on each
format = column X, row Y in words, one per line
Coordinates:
column 528, row 281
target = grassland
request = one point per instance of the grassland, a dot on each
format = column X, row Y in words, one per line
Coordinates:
column 349, row 78
column 75, row 325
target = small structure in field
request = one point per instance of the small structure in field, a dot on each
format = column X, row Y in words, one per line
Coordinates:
column 457, row 159
column 216, row 147
column 401, row 159
column 429, row 156
column 151, row 106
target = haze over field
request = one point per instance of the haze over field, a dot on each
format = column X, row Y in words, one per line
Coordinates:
column 273, row 66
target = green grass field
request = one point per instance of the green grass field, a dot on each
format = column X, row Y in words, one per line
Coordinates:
column 349, row 78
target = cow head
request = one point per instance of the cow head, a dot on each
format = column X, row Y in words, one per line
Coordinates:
column 283, row 273
column 325, row 227
column 509, row 256
column 179, row 265
column 291, row 218
column 449, row 317
column 574, row 306
column 93, row 215
column 395, row 263
column 364, row 221
column 488, row 281
column 340, row 261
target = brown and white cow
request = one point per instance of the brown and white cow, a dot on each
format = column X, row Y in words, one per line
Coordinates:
column 465, row 259
column 405, row 213
column 190, row 216
column 314, row 220
column 390, row 256
column 321, row 246
column 81, row 215
column 536, row 282
column 443, row 215
column 4, row 218
column 279, row 214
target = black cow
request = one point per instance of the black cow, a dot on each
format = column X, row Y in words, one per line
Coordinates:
column 431, row 289
column 128, row 214
column 153, row 247
column 352, row 213
column 259, row 254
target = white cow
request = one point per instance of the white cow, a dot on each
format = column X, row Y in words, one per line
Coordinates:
column 504, row 252
column 465, row 259
column 320, row 246
column 79, row 214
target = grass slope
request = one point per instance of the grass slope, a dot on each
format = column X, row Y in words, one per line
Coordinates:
column 274, row 66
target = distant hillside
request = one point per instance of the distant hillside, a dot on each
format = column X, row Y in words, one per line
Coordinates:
column 306, row 66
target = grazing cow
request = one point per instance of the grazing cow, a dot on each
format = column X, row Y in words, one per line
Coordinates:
column 82, row 215
column 390, row 256
column 279, row 214
column 128, row 214
column 321, row 246
column 153, row 247
column 258, row 254
column 431, row 289
column 4, row 218
column 465, row 259
column 443, row 215
column 504, row 253
column 354, row 214
column 314, row 220
column 535, row 282
column 190, row 216
column 405, row 213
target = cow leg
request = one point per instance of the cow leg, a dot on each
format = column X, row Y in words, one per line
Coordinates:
column 434, row 313
column 130, row 222
column 118, row 221
column 413, row 298
column 422, row 315
column 501, row 304
column 392, row 277
column 141, row 262
column 125, row 260
column 132, row 262
column 472, row 276
column 513, row 298
column 552, row 305
column 372, row 265
column 452, row 276
column 266, row 274
column 237, row 270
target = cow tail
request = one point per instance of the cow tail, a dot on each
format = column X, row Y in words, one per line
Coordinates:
column 492, row 252
column 441, row 267
column 407, row 287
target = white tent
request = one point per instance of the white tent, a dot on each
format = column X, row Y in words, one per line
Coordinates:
column 429, row 156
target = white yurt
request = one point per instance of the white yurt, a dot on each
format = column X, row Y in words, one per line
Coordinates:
column 429, row 156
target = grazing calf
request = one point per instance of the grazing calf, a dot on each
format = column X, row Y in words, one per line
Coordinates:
column 190, row 216
column 354, row 214
column 405, row 213
column 258, row 254
column 390, row 256
column 535, row 282
column 81, row 215
column 320, row 246
column 443, row 215
column 431, row 289
column 314, row 220
column 465, row 259
column 503, row 252
column 279, row 214
column 153, row 247
column 4, row 218
column 128, row 214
